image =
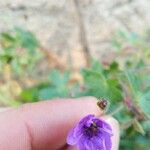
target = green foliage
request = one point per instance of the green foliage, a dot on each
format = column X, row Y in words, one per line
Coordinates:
column 19, row 55
column 56, row 86
column 125, row 83
column 19, row 50
column 145, row 101
column 102, row 83
column 134, row 80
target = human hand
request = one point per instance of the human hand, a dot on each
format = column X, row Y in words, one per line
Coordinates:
column 45, row 125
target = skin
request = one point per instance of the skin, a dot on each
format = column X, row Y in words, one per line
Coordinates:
column 45, row 125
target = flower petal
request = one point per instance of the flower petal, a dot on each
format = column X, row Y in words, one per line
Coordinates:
column 94, row 143
column 108, row 143
column 74, row 135
column 103, row 126
column 99, row 141
column 81, row 146
column 86, row 120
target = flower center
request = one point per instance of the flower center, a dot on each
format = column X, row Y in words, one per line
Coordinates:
column 91, row 131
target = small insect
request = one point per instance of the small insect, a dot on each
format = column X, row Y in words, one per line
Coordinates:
column 102, row 104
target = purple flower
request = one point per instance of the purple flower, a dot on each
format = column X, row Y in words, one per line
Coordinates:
column 91, row 133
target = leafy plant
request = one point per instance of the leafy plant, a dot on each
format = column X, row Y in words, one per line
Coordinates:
column 57, row 85
column 19, row 49
column 101, row 83
column 125, row 83
column 129, row 100
column 19, row 54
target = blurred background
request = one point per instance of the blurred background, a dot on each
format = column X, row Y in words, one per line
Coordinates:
column 74, row 48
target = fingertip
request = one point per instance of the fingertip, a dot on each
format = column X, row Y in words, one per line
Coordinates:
column 116, row 131
column 89, row 104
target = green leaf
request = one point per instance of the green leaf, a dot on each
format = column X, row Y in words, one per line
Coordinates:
column 58, row 86
column 133, row 82
column 96, row 66
column 27, row 40
column 114, row 92
column 48, row 93
column 29, row 95
column 144, row 102
column 138, row 127
column 59, row 79
column 114, row 66
column 98, row 84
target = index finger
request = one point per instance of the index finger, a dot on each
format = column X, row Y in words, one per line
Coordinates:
column 43, row 125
